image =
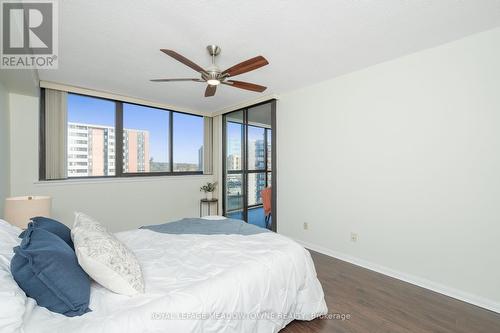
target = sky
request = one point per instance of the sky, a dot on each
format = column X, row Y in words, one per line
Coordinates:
column 188, row 129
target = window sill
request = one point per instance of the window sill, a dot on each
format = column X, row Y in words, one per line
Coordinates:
column 114, row 180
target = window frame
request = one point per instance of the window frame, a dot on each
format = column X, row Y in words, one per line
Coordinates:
column 118, row 138
column 244, row 171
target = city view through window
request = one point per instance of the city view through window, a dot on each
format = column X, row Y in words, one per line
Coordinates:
column 256, row 163
column 248, row 168
column 92, row 143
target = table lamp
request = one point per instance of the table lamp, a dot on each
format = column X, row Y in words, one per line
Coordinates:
column 19, row 210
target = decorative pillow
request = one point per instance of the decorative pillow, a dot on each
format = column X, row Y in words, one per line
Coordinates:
column 46, row 268
column 53, row 226
column 108, row 261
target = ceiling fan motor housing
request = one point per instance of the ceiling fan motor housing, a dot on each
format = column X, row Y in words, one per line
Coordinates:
column 212, row 74
column 213, row 71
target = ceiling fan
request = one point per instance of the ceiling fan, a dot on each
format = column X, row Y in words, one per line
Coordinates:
column 214, row 76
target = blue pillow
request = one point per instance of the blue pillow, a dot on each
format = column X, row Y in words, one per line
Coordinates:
column 53, row 226
column 46, row 268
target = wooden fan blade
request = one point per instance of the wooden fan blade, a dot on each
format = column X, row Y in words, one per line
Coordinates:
column 184, row 60
column 175, row 80
column 210, row 91
column 245, row 85
column 246, row 66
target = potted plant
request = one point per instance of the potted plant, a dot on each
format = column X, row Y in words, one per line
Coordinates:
column 209, row 190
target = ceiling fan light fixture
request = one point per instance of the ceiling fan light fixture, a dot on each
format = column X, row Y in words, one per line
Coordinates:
column 213, row 82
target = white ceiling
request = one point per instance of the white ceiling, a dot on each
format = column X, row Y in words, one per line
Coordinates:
column 113, row 45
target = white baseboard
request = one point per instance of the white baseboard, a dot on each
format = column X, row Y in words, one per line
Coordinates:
column 421, row 282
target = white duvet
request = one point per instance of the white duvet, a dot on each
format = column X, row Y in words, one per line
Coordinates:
column 201, row 283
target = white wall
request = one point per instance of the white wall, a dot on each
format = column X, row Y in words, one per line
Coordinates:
column 118, row 204
column 407, row 155
column 4, row 148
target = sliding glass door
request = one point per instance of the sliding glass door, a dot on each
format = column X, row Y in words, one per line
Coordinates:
column 248, row 164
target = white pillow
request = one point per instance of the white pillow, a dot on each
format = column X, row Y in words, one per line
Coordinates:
column 105, row 259
column 13, row 299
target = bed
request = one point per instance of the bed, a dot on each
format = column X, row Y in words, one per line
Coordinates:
column 194, row 283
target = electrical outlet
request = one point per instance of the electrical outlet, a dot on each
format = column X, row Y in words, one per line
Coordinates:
column 354, row 237
column 306, row 226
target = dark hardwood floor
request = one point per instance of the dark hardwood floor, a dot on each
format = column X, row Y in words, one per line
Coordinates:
column 377, row 303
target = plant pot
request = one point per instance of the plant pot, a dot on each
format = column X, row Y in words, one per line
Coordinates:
column 209, row 195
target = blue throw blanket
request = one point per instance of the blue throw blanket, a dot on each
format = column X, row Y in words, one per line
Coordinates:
column 207, row 227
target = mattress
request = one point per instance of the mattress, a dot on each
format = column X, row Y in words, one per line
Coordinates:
column 201, row 283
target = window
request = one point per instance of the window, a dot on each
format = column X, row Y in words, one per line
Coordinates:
column 187, row 142
column 234, row 195
column 234, row 141
column 107, row 138
column 256, row 183
column 247, row 165
column 256, row 149
column 145, row 139
column 89, row 122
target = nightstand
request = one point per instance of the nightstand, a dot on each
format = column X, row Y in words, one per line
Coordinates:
column 209, row 203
